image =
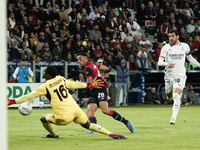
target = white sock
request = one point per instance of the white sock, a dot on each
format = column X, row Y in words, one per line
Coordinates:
column 176, row 105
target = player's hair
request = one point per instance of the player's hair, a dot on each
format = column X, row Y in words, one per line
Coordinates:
column 174, row 31
column 52, row 71
column 82, row 53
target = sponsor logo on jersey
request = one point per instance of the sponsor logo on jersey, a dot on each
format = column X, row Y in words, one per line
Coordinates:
column 176, row 56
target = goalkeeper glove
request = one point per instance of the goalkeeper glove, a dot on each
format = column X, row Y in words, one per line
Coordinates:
column 96, row 83
column 10, row 102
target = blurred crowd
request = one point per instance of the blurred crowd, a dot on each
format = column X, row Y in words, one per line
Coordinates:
column 56, row 30
column 189, row 96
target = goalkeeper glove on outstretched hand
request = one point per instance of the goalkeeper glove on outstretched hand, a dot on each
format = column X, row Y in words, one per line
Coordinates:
column 10, row 102
column 95, row 83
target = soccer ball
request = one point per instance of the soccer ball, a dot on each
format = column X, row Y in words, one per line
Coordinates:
column 25, row 108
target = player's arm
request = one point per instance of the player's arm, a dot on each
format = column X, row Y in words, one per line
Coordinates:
column 189, row 56
column 193, row 60
column 41, row 90
column 161, row 60
column 21, row 99
column 74, row 85
column 78, row 85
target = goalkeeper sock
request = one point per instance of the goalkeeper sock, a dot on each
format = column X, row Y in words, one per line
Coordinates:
column 92, row 119
column 176, row 105
column 118, row 117
column 99, row 129
column 49, row 128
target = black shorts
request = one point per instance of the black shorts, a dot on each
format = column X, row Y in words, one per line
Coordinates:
column 97, row 95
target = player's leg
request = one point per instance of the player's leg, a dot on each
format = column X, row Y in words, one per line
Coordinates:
column 45, row 119
column 81, row 118
column 100, row 129
column 49, row 119
column 169, row 93
column 91, row 109
column 103, row 104
column 176, row 105
column 178, row 86
column 104, row 107
column 169, row 88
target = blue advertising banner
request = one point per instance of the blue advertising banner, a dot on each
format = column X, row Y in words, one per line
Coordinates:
column 137, row 90
column 51, row 63
column 18, row 63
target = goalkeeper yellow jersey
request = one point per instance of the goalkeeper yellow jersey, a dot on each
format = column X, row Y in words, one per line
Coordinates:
column 57, row 93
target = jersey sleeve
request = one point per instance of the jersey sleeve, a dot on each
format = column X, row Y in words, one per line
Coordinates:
column 41, row 90
column 27, row 97
column 74, row 85
column 187, row 50
column 162, row 60
column 163, row 53
column 88, row 72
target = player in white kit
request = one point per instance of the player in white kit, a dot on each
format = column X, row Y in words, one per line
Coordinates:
column 172, row 56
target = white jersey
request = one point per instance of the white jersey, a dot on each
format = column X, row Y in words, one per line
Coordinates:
column 175, row 54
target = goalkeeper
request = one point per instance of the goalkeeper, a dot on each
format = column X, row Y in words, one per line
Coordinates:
column 55, row 89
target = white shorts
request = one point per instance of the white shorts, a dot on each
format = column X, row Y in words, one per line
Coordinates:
column 174, row 81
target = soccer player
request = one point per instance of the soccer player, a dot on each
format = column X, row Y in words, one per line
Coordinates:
column 64, row 106
column 98, row 97
column 172, row 56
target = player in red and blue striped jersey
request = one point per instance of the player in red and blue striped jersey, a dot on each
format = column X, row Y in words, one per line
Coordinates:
column 98, row 97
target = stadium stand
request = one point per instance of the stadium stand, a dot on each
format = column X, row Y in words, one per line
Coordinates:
column 50, row 31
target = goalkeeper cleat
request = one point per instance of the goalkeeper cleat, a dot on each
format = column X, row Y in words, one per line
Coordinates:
column 91, row 132
column 49, row 136
column 130, row 126
column 172, row 121
column 117, row 136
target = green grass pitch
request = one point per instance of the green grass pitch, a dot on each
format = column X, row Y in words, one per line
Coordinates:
column 151, row 122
